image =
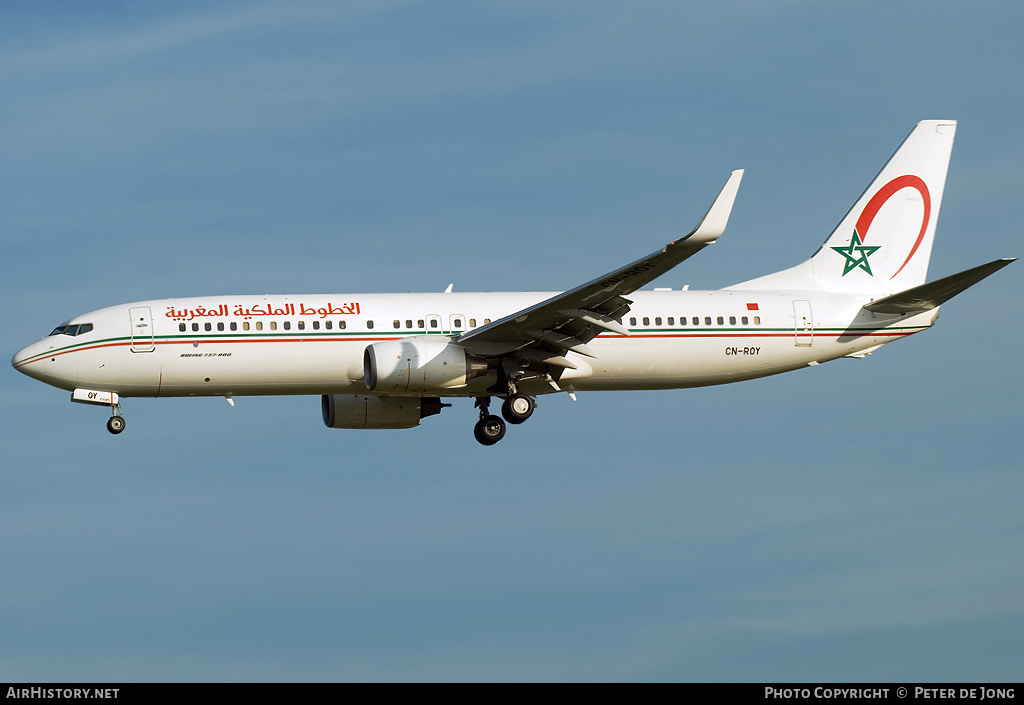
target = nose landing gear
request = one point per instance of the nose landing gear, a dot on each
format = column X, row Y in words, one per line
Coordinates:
column 115, row 424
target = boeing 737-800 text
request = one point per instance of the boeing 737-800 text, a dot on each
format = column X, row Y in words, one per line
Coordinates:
column 388, row 360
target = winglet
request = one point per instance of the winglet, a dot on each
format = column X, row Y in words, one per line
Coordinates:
column 712, row 225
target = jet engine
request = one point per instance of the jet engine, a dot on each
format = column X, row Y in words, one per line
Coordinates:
column 361, row 411
column 417, row 365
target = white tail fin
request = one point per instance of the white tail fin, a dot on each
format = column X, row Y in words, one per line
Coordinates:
column 884, row 242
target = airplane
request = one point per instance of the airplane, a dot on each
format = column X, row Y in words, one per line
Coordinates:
column 386, row 361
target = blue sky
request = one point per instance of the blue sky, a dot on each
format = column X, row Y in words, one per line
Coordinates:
column 855, row 521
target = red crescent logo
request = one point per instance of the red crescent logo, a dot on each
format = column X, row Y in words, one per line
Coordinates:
column 883, row 195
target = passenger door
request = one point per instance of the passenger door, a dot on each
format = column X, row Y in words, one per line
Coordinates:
column 141, row 319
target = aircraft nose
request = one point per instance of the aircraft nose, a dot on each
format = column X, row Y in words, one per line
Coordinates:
column 28, row 360
column 20, row 358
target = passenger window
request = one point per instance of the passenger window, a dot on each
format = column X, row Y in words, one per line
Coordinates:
column 707, row 320
column 632, row 320
column 657, row 321
column 234, row 326
column 181, row 327
column 287, row 325
column 647, row 321
column 457, row 323
column 745, row 320
column 273, row 325
column 732, row 320
column 259, row 325
column 327, row 325
column 696, row 321
column 671, row 321
column 433, row 323
column 472, row 323
column 721, row 321
column 245, row 325
column 207, row 327
column 420, row 323
column 316, row 325
column 397, row 324
column 408, row 323
column 301, row 325
column 757, row 320
column 220, row 326
column 369, row 325
column 341, row 325
column 195, row 327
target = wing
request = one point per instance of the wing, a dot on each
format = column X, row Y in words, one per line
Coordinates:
column 542, row 334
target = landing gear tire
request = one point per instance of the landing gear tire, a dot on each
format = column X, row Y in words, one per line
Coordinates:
column 489, row 430
column 517, row 408
column 115, row 424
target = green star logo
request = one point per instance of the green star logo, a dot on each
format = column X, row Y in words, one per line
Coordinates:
column 860, row 259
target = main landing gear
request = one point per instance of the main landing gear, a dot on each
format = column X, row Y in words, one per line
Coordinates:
column 490, row 428
column 517, row 408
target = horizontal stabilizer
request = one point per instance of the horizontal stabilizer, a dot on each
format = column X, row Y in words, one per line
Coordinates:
column 933, row 294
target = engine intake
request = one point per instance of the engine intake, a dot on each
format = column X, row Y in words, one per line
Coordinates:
column 417, row 365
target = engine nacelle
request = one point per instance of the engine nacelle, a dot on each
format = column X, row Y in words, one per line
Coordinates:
column 417, row 365
column 361, row 411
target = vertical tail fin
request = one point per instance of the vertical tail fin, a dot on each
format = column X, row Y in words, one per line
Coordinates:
column 884, row 242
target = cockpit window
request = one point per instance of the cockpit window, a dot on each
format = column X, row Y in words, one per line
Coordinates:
column 72, row 329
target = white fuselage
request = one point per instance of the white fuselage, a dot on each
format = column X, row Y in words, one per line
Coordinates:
column 252, row 345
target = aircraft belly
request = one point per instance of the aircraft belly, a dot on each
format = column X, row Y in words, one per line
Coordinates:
column 659, row 363
column 680, row 362
column 293, row 367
